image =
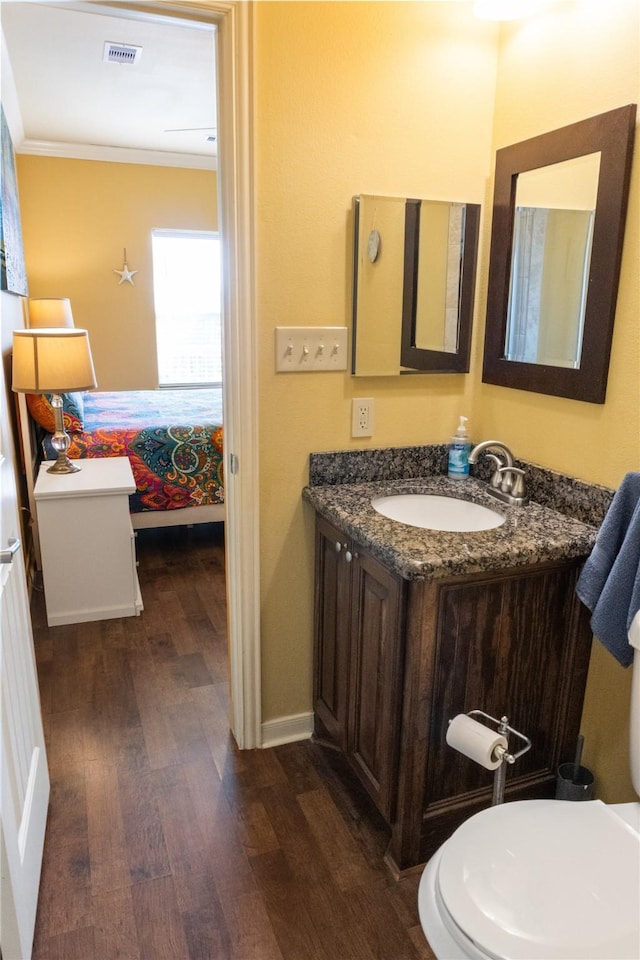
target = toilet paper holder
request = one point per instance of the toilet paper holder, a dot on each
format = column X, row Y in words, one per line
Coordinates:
column 504, row 729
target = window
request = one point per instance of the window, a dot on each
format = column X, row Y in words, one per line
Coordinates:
column 186, row 289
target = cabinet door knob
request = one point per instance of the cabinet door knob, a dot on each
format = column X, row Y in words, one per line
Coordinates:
column 6, row 556
column 348, row 556
column 338, row 546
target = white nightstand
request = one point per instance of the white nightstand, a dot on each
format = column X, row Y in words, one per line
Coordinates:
column 87, row 542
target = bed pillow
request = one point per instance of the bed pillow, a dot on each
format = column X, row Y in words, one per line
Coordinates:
column 39, row 406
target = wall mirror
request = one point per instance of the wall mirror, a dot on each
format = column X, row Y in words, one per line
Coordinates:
column 559, row 211
column 413, row 285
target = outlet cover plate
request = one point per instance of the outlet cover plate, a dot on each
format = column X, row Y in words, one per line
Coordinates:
column 310, row 349
column 362, row 417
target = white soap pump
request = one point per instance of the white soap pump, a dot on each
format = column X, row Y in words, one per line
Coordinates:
column 459, row 450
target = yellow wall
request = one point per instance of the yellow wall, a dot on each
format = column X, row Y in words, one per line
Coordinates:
column 399, row 98
column 77, row 218
column 352, row 98
column 575, row 61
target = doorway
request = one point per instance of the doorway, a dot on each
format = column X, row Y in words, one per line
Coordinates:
column 233, row 25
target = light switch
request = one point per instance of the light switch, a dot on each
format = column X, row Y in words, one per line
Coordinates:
column 306, row 349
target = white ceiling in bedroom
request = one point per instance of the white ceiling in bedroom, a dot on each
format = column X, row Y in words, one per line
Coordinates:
column 72, row 100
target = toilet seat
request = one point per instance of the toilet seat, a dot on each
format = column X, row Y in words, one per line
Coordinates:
column 540, row 878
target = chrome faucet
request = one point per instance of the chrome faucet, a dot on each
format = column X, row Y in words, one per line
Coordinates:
column 498, row 445
column 507, row 481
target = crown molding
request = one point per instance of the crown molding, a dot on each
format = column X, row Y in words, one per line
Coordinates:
column 90, row 151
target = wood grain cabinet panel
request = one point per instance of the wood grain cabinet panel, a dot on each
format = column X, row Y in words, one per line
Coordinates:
column 396, row 660
column 375, row 678
column 332, row 625
column 357, row 681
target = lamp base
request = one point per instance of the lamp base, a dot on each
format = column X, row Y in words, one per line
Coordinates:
column 60, row 441
column 63, row 465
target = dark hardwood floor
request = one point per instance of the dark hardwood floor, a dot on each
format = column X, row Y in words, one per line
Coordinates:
column 164, row 842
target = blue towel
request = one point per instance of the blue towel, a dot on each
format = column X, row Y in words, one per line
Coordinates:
column 609, row 584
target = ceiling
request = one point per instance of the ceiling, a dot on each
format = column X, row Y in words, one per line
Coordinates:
column 71, row 102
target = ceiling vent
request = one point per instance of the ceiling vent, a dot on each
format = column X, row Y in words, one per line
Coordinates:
column 121, row 52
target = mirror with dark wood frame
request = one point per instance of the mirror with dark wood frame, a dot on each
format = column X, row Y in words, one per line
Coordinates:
column 421, row 348
column 414, row 272
column 580, row 371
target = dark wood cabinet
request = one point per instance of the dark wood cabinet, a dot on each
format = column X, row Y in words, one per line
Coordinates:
column 332, row 632
column 359, row 634
column 395, row 660
column 375, row 677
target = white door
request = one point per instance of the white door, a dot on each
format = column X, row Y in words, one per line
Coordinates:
column 24, row 777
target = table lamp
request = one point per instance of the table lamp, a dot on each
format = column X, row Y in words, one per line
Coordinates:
column 50, row 312
column 53, row 360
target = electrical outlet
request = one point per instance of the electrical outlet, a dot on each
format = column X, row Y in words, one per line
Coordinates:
column 362, row 417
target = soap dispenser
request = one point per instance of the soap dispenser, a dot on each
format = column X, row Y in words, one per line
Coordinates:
column 459, row 450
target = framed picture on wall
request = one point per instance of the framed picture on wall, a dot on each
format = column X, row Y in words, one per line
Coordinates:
column 13, row 274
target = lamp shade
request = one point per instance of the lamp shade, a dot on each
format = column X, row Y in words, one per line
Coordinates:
column 50, row 360
column 50, row 312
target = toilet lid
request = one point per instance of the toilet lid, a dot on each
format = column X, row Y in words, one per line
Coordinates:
column 540, row 878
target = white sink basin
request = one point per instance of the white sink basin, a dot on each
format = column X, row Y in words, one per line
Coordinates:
column 437, row 513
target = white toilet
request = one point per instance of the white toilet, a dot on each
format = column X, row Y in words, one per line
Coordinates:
column 540, row 879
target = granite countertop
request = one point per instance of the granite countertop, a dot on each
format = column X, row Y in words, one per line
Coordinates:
column 529, row 535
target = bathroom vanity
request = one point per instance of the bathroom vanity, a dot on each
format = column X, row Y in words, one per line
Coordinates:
column 413, row 626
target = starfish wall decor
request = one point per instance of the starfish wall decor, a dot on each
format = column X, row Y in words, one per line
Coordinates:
column 125, row 274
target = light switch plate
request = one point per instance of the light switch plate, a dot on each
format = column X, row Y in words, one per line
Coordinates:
column 306, row 349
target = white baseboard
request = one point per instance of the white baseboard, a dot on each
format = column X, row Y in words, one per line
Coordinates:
column 298, row 726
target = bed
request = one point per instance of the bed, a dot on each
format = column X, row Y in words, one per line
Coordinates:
column 173, row 439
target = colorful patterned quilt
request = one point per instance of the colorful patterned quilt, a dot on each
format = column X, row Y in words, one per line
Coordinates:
column 173, row 439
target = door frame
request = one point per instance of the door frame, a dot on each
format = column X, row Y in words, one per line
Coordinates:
column 234, row 63
column 240, row 391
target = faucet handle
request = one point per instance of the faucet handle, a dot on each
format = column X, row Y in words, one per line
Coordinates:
column 496, row 479
column 518, row 488
column 512, row 484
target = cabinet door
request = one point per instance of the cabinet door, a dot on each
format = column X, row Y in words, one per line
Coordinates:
column 331, row 655
column 511, row 644
column 377, row 629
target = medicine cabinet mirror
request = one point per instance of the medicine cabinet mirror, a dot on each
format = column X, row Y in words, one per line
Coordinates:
column 413, row 285
column 559, row 211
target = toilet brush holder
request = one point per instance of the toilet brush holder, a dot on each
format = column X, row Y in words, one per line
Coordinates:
column 572, row 784
column 575, row 782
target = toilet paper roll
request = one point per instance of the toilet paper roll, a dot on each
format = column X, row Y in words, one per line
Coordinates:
column 475, row 741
